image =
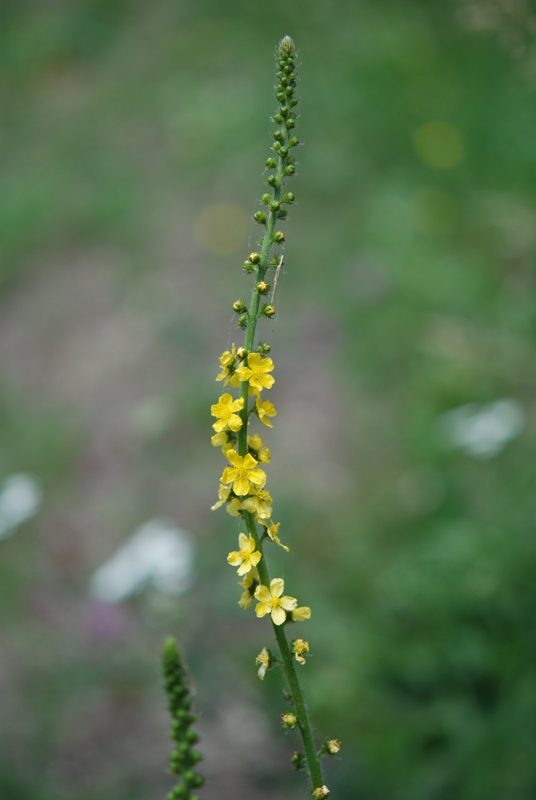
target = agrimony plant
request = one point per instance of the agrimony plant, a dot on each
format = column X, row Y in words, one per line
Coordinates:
column 246, row 370
column 183, row 758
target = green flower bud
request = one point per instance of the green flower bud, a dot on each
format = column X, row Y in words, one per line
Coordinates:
column 278, row 237
column 278, row 135
column 290, row 169
column 271, row 163
column 254, row 258
column 274, row 205
column 298, row 761
column 243, row 321
column 260, row 217
column 288, row 197
column 263, row 347
column 293, row 142
column 290, row 123
column 278, row 119
column 272, row 180
column 239, row 306
column 268, row 311
column 267, row 198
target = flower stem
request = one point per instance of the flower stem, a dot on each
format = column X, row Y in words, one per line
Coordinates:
column 289, row 668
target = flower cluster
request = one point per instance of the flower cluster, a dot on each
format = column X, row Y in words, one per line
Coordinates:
column 242, row 483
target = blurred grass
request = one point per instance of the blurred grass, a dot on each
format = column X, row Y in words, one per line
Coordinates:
column 409, row 292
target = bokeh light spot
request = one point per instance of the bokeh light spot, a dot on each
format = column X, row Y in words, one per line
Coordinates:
column 222, row 229
column 439, row 145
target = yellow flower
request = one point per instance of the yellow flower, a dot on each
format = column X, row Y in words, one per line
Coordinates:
column 249, row 584
column 302, row 613
column 247, row 557
column 333, row 746
column 321, row 792
column 234, row 507
column 258, row 503
column 225, row 409
column 222, row 440
column 264, row 410
column 256, row 373
column 242, row 473
column 262, row 453
column 223, row 494
column 272, row 531
column 255, row 442
column 272, row 601
column 263, row 659
column 289, row 719
column 299, row 647
column 265, row 455
column 227, row 374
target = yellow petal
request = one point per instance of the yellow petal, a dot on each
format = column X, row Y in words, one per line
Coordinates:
column 241, row 485
column 255, row 558
column 234, row 423
column 262, row 609
column 278, row 616
column 289, row 603
column 249, row 462
column 243, row 541
column 234, row 458
column 257, row 476
column 262, row 593
column 277, row 587
column 229, row 474
column 234, row 558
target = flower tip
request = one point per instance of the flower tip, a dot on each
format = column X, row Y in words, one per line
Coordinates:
column 286, row 45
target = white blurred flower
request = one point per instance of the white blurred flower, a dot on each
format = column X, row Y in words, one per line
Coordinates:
column 158, row 554
column 483, row 430
column 20, row 497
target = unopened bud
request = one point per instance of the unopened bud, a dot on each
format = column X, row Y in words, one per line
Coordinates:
column 278, row 237
column 243, row 321
column 239, row 306
column 298, row 761
column 254, row 258
column 268, row 311
column 260, row 217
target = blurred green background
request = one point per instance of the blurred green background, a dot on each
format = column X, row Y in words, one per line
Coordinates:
column 133, row 137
